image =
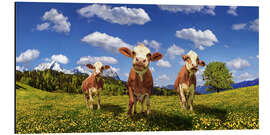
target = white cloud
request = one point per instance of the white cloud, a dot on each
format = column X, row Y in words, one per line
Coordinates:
column 103, row 59
column 254, row 25
column 153, row 44
column 59, row 22
column 163, row 77
column 105, row 41
column 27, row 56
column 238, row 64
column 188, row 9
column 246, row 76
column 200, row 38
column 120, row 15
column 226, row 46
column 43, row 26
column 164, row 63
column 152, row 69
column 174, row 50
column 60, row 58
column 232, row 10
column 239, row 26
column 126, row 74
column 117, row 70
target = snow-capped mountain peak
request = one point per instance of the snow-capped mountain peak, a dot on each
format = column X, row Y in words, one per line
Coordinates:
column 53, row 65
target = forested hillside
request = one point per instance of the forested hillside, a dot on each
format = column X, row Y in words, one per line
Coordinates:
column 52, row 81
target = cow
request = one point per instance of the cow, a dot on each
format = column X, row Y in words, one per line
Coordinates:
column 93, row 85
column 140, row 80
column 185, row 82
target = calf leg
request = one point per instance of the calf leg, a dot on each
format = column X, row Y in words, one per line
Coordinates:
column 91, row 100
column 142, row 103
column 131, row 101
column 135, row 103
column 99, row 98
column 148, row 104
column 180, row 99
column 183, row 97
column 191, row 97
column 86, row 100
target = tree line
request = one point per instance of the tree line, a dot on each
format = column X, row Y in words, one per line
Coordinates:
column 50, row 80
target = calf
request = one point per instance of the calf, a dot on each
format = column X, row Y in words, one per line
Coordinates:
column 140, row 81
column 92, row 85
column 185, row 82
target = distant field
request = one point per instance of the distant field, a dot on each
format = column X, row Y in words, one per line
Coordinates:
column 39, row 111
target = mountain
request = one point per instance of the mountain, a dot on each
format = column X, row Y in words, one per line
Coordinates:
column 77, row 70
column 110, row 73
column 50, row 65
column 22, row 69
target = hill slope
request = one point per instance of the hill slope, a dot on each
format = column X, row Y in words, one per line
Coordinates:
column 39, row 111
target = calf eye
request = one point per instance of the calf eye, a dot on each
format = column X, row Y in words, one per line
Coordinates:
column 148, row 55
column 133, row 53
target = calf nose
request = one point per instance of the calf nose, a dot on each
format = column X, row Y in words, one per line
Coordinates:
column 140, row 60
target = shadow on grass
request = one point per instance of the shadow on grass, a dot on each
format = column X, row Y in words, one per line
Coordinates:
column 166, row 121
column 217, row 113
column 115, row 109
column 19, row 87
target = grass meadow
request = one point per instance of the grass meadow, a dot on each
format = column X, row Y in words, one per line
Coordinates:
column 39, row 111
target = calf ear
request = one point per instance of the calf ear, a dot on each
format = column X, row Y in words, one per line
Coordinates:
column 90, row 66
column 184, row 57
column 156, row 56
column 125, row 51
column 106, row 67
column 202, row 63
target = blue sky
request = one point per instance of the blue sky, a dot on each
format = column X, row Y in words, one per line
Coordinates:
column 74, row 34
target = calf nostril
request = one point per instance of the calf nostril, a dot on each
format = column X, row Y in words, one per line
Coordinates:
column 144, row 61
column 137, row 59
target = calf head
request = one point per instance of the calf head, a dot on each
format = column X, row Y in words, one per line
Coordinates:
column 141, row 56
column 98, row 68
column 192, row 61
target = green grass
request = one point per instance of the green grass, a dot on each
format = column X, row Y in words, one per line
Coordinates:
column 39, row 111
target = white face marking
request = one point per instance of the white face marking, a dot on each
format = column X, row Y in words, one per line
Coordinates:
column 193, row 57
column 141, row 51
column 98, row 65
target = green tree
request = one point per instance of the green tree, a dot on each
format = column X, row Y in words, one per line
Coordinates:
column 217, row 76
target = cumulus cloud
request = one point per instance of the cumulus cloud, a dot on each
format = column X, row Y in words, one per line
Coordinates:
column 246, row 76
column 189, row 9
column 27, row 56
column 105, row 41
column 103, row 59
column 164, row 63
column 239, row 26
column 43, row 26
column 174, row 50
column 163, row 77
column 254, row 25
column 238, row 64
column 120, row 15
column 200, row 38
column 60, row 58
column 232, row 10
column 56, row 20
column 153, row 44
column 152, row 69
column 251, row 26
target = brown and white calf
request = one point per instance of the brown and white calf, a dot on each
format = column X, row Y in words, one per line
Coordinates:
column 185, row 82
column 140, row 81
column 93, row 85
